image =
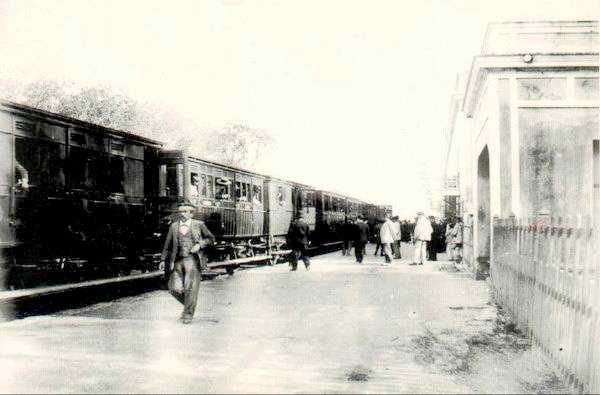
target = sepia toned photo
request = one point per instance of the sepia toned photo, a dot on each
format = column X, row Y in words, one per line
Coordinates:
column 279, row 196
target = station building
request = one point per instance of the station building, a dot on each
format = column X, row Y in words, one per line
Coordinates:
column 523, row 135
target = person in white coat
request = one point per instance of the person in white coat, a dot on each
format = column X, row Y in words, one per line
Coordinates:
column 421, row 236
column 386, row 236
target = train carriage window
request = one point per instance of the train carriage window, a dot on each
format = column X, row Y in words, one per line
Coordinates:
column 245, row 192
column 310, row 199
column 77, row 168
column 52, row 158
column 98, row 171
column 256, row 194
column 39, row 164
column 194, row 184
column 203, row 184
column 280, row 196
column 238, row 190
column 210, row 187
column 172, row 181
column 117, row 175
column 222, row 188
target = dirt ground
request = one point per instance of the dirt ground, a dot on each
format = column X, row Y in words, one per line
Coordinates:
column 489, row 354
column 340, row 327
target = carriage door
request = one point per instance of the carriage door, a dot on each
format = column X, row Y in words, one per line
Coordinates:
column 170, row 182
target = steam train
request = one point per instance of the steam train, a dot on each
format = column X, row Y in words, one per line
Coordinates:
column 78, row 200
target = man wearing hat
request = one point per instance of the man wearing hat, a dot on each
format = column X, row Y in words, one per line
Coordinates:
column 297, row 239
column 361, row 238
column 186, row 240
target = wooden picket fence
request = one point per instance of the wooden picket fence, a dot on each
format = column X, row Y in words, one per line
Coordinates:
column 468, row 251
column 545, row 272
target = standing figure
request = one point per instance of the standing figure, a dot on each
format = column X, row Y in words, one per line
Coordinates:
column 421, row 236
column 397, row 237
column 361, row 238
column 376, row 235
column 431, row 246
column 297, row 239
column 347, row 235
column 457, row 240
column 449, row 246
column 184, row 246
column 386, row 236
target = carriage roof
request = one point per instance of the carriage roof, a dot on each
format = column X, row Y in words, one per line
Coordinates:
column 22, row 108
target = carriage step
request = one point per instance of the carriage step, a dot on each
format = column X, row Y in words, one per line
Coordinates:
column 239, row 261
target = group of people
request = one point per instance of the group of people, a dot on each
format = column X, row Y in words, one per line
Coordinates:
column 429, row 236
column 183, row 254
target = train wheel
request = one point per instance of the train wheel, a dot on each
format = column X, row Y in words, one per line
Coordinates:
column 230, row 270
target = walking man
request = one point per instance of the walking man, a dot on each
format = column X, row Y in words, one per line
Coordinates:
column 422, row 235
column 386, row 236
column 361, row 238
column 347, row 235
column 184, row 245
column 377, row 236
column 297, row 239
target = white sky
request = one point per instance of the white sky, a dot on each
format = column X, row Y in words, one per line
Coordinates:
column 356, row 92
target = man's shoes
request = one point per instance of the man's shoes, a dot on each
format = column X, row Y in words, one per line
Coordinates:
column 413, row 264
column 186, row 320
column 421, row 263
column 307, row 267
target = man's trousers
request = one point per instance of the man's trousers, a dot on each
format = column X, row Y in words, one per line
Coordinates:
column 420, row 251
column 347, row 246
column 396, row 249
column 359, row 251
column 299, row 252
column 387, row 251
column 184, row 284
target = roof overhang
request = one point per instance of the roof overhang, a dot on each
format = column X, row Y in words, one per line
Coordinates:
column 483, row 65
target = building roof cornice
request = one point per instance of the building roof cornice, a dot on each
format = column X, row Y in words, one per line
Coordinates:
column 484, row 64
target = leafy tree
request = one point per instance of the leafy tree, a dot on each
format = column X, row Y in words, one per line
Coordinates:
column 235, row 144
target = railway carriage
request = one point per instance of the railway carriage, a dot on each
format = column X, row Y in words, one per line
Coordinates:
column 72, row 196
column 79, row 200
column 330, row 214
column 229, row 200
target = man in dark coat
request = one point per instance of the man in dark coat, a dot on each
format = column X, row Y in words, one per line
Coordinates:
column 361, row 238
column 376, row 235
column 431, row 246
column 182, row 255
column 297, row 239
column 347, row 236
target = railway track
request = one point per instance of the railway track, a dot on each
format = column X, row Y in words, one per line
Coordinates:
column 21, row 303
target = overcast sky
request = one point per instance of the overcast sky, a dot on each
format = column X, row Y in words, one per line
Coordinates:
column 355, row 92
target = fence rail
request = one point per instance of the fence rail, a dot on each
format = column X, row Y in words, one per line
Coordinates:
column 545, row 272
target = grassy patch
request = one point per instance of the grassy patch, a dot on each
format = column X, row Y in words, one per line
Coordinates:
column 359, row 373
